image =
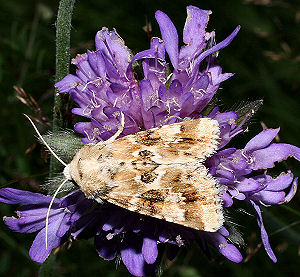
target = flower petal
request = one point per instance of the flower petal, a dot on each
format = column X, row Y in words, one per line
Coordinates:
column 31, row 222
column 68, row 82
column 38, row 251
column 193, row 34
column 217, row 47
column 265, row 158
column 16, row 196
column 223, row 231
column 97, row 63
column 249, row 184
column 227, row 200
column 231, row 253
column 84, row 67
column 133, row 258
column 149, row 53
column 226, row 249
column 264, row 235
column 269, row 197
column 149, row 250
column 261, row 140
column 65, row 225
column 292, row 191
column 169, row 35
column 281, row 182
column 195, row 24
column 113, row 46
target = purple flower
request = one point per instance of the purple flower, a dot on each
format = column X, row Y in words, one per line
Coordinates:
column 32, row 217
column 106, row 84
column 151, row 91
column 232, row 168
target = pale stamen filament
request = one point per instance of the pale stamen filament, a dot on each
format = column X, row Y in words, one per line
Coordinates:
column 120, row 130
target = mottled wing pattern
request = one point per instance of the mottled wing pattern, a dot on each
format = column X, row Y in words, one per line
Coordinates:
column 157, row 172
column 185, row 195
column 180, row 142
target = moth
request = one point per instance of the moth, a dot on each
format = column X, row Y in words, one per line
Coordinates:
column 159, row 172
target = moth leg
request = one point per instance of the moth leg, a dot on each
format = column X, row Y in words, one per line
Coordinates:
column 120, row 130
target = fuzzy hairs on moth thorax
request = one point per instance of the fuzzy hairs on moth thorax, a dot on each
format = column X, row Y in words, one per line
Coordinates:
column 159, row 172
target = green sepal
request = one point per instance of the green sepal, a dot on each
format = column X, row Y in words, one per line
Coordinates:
column 64, row 143
column 53, row 182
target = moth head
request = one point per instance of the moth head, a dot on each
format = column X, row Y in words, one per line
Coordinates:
column 67, row 172
column 84, row 169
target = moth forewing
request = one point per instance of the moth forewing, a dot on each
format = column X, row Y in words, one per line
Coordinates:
column 157, row 172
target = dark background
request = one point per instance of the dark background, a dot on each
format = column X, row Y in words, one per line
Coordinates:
column 265, row 56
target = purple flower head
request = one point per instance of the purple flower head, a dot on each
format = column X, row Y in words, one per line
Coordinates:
column 162, row 85
column 105, row 83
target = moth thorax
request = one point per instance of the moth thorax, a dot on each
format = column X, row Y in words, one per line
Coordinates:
column 92, row 170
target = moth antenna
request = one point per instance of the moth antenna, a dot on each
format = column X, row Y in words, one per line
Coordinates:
column 49, row 208
column 120, row 130
column 45, row 143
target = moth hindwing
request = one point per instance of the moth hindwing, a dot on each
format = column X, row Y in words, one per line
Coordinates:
column 157, row 172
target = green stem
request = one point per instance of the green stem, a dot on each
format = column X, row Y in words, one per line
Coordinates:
column 63, row 31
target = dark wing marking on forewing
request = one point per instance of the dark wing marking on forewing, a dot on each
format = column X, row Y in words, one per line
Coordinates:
column 137, row 171
column 186, row 196
column 169, row 144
